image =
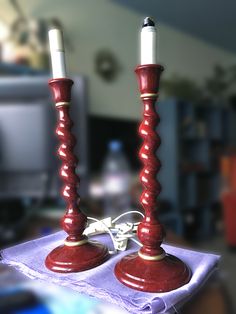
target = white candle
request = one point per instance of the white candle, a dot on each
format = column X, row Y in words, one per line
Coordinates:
column 57, row 53
column 148, row 42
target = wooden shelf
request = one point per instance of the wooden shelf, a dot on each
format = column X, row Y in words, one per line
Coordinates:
column 193, row 140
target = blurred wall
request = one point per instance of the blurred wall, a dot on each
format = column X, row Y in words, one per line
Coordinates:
column 94, row 25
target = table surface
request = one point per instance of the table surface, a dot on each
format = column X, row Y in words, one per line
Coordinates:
column 211, row 299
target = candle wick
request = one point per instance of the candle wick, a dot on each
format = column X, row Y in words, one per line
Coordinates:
column 148, row 22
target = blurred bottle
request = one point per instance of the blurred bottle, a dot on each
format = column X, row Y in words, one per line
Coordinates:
column 116, row 181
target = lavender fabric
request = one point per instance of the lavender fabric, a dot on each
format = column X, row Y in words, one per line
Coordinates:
column 100, row 282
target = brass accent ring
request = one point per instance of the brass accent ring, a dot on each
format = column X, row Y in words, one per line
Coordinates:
column 147, row 95
column 78, row 243
column 152, row 258
column 62, row 103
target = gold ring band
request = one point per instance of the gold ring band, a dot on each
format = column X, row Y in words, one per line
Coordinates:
column 146, row 95
column 78, row 243
column 152, row 258
column 62, row 103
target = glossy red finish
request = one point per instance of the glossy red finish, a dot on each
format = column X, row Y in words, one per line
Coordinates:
column 152, row 276
column 134, row 271
column 66, row 259
column 148, row 76
column 71, row 258
column 61, row 89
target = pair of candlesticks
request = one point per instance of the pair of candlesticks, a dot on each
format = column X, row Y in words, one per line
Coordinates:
column 151, row 269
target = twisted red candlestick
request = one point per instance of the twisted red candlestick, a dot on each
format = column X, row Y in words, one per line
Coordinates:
column 77, row 253
column 151, row 269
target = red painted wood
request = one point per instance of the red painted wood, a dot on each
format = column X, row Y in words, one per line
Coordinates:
column 134, row 271
column 61, row 89
column 67, row 258
column 152, row 276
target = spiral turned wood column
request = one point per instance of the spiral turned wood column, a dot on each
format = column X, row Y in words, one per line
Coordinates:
column 74, row 221
column 77, row 253
column 152, row 239
column 151, row 269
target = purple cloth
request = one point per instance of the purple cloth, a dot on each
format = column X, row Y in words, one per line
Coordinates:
column 101, row 282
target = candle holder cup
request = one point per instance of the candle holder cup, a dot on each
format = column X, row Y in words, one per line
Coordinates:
column 77, row 253
column 151, row 269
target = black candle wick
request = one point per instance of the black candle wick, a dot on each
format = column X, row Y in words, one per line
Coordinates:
column 148, row 22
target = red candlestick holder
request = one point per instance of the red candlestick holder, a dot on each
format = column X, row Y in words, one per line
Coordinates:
column 77, row 253
column 151, row 269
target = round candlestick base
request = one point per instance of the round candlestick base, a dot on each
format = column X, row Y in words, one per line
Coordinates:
column 152, row 276
column 69, row 259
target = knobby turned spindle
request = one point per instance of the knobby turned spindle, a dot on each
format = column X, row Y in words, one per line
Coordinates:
column 77, row 253
column 151, row 269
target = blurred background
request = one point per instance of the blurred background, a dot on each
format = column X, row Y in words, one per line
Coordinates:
column 198, row 131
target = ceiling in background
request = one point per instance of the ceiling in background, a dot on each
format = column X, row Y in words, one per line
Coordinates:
column 211, row 20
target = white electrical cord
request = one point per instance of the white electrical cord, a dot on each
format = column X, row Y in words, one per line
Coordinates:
column 108, row 230
column 127, row 213
column 124, row 231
